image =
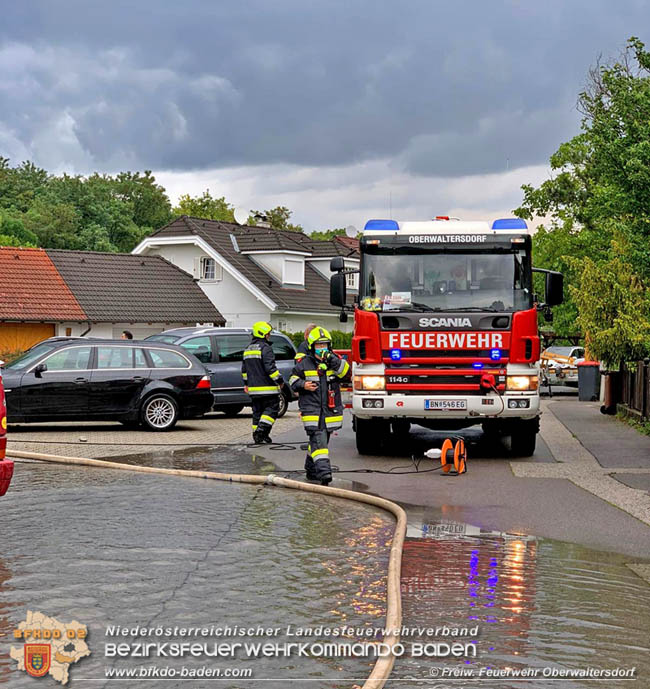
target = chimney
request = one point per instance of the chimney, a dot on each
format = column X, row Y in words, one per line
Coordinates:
column 262, row 220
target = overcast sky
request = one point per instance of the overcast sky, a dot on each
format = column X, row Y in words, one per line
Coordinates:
column 340, row 110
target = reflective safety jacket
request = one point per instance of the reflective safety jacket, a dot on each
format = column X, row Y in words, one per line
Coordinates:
column 303, row 350
column 314, row 405
column 258, row 368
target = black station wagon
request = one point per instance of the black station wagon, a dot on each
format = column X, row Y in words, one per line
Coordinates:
column 135, row 382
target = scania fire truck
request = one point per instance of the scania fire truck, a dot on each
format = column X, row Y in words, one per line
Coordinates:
column 445, row 329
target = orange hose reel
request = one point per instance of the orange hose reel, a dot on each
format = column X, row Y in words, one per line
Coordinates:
column 453, row 458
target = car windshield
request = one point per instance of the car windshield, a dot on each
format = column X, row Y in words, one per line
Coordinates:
column 167, row 339
column 562, row 351
column 446, row 281
column 30, row 356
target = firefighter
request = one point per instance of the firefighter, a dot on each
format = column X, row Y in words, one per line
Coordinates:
column 303, row 347
column 316, row 380
column 262, row 381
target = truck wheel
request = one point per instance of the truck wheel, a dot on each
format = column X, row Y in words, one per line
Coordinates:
column 400, row 427
column 523, row 438
column 371, row 435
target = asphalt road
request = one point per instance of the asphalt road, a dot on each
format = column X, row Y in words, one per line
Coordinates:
column 489, row 496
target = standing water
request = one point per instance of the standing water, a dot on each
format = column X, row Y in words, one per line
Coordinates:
column 537, row 604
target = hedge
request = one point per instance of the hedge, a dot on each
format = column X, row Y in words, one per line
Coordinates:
column 340, row 340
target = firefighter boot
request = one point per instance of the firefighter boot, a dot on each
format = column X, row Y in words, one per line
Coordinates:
column 310, row 469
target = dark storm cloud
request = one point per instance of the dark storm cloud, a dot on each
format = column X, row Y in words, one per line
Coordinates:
column 443, row 88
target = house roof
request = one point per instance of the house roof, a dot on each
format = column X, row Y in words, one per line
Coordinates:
column 348, row 242
column 219, row 235
column 31, row 288
column 134, row 289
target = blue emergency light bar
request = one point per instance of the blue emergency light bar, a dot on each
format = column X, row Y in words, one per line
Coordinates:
column 477, row 364
column 395, row 354
column 389, row 225
column 495, row 354
column 509, row 224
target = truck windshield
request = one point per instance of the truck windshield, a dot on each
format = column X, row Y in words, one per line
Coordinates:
column 446, row 281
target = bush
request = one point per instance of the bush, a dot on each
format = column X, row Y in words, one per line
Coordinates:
column 340, row 340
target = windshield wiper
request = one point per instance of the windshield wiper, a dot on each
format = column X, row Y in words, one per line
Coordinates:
column 422, row 307
column 476, row 308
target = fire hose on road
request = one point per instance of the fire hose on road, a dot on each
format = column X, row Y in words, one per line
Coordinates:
column 384, row 665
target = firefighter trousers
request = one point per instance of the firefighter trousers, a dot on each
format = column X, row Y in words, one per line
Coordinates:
column 265, row 412
column 317, row 461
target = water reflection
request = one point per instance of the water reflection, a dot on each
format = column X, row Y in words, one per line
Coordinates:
column 536, row 602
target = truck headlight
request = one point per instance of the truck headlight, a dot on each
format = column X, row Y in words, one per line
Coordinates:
column 522, row 383
column 369, row 383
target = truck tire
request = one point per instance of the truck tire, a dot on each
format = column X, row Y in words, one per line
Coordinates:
column 401, row 427
column 371, row 435
column 523, row 438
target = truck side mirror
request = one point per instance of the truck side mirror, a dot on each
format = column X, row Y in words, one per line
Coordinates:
column 337, row 263
column 554, row 288
column 337, row 289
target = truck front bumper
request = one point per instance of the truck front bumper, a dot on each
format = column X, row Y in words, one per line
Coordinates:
column 413, row 406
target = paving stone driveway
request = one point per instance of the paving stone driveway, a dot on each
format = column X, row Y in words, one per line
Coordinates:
column 110, row 439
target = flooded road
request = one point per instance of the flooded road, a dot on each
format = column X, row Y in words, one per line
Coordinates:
column 537, row 603
column 112, row 548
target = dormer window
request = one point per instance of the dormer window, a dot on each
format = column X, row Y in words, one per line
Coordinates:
column 352, row 280
column 293, row 272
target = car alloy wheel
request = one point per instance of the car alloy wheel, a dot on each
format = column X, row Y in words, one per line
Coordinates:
column 160, row 413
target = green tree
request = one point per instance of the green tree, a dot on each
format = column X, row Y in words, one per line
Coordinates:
column 14, row 233
column 150, row 203
column 56, row 225
column 614, row 308
column 20, row 185
column 598, row 202
column 328, row 234
column 278, row 217
column 205, row 206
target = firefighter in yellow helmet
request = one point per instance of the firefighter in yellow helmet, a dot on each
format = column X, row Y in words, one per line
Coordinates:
column 316, row 380
column 262, row 381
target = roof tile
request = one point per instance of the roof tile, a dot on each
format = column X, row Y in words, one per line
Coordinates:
column 134, row 289
column 313, row 298
column 31, row 288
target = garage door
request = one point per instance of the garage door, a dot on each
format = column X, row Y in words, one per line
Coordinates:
column 17, row 337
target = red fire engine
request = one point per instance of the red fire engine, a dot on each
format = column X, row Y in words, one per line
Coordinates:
column 445, row 329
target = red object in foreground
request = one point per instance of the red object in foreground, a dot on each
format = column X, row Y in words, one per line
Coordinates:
column 6, row 472
column 6, row 465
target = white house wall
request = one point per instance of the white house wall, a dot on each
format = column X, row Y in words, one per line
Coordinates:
column 114, row 330
column 236, row 304
column 272, row 263
column 322, row 265
column 294, row 323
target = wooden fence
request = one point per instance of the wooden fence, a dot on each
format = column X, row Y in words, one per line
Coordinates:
column 635, row 392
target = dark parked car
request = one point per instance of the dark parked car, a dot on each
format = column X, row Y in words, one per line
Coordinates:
column 148, row 383
column 221, row 351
